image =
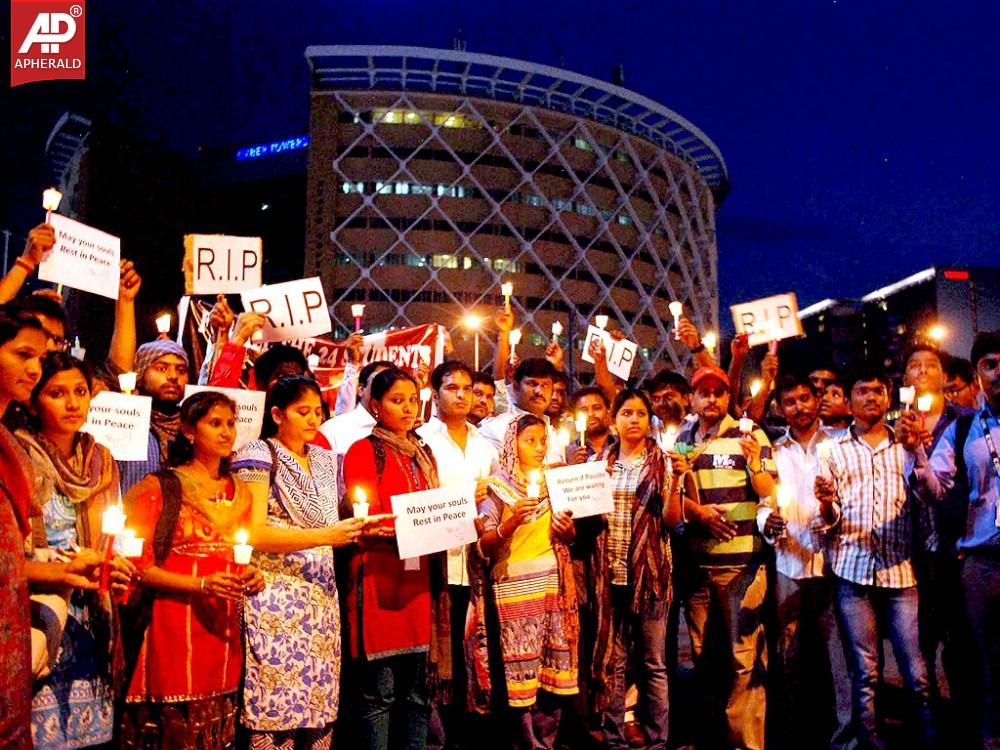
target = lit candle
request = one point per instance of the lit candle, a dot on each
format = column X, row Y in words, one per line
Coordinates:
column 507, row 290
column 360, row 503
column 113, row 520
column 78, row 351
column 534, row 488
column 784, row 497
column 823, row 451
column 473, row 322
column 358, row 312
column 676, row 308
column 50, row 202
column 564, row 439
column 581, row 427
column 126, row 381
column 557, row 330
column 112, row 523
column 907, row 395
column 241, row 550
column 601, row 321
column 746, row 424
column 710, row 340
column 131, row 544
column 163, row 325
column 313, row 361
column 670, row 437
column 924, row 403
column 755, row 387
column 515, row 338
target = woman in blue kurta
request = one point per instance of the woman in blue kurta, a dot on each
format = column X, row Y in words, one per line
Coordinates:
column 291, row 689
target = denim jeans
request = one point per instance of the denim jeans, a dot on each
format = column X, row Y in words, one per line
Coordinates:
column 725, row 617
column 862, row 612
column 646, row 637
column 981, row 581
column 812, row 665
column 394, row 705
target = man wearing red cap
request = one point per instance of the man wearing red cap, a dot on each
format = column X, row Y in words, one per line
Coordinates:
column 732, row 471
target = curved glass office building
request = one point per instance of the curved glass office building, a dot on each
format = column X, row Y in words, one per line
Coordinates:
column 436, row 175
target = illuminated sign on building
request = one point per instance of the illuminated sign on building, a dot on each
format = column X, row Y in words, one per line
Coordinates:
column 270, row 149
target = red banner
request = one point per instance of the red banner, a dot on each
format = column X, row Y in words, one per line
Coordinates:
column 411, row 349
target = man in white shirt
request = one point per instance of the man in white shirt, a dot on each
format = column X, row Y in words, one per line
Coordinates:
column 344, row 430
column 462, row 458
column 803, row 592
column 532, row 394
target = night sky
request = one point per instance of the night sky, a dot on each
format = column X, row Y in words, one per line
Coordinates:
column 861, row 137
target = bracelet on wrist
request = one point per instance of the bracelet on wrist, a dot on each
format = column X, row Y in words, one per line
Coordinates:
column 27, row 265
column 500, row 533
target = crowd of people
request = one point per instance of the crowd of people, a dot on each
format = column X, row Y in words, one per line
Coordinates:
column 795, row 530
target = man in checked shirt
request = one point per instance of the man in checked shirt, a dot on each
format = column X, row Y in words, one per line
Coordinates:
column 869, row 522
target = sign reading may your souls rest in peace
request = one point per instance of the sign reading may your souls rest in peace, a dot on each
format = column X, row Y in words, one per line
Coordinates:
column 83, row 258
column 434, row 520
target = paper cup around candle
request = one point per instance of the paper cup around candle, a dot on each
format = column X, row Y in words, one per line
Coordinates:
column 131, row 544
column 313, row 361
column 51, row 199
column 907, row 395
column 746, row 425
column 163, row 323
column 126, row 381
column 360, row 509
column 557, row 329
column 357, row 311
column 601, row 321
column 924, row 403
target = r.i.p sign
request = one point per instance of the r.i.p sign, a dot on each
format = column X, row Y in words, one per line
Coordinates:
column 220, row 264
column 295, row 309
column 768, row 319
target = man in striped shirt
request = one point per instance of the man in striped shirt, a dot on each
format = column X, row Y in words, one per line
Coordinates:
column 731, row 471
column 870, row 521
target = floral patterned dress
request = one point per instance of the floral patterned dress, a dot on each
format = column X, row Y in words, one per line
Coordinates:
column 74, row 706
column 293, row 626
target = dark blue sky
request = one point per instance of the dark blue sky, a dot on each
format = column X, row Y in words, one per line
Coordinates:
column 860, row 136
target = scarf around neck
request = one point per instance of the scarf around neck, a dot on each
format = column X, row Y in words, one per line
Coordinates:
column 412, row 447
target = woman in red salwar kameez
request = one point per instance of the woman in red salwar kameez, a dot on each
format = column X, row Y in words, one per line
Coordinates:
column 183, row 690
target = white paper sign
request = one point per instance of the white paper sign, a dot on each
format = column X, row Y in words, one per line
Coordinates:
column 218, row 263
column 620, row 354
column 584, row 489
column 768, row 319
column 435, row 520
column 121, row 423
column 297, row 309
column 82, row 258
column 249, row 410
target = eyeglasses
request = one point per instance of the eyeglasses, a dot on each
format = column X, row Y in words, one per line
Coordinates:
column 953, row 390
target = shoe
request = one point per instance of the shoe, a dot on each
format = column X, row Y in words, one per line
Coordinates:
column 634, row 734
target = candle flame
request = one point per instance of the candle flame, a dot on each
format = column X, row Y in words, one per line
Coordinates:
column 163, row 323
column 242, row 536
column 710, row 339
column 359, row 495
column 581, row 421
column 924, row 402
column 755, row 387
column 534, row 476
column 557, row 328
column 51, row 199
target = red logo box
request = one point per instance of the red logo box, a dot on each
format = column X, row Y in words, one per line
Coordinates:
column 48, row 41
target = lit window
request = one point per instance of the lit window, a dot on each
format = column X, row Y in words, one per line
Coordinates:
column 444, row 261
column 621, row 156
column 347, row 187
column 359, row 187
column 466, row 262
column 581, row 143
column 459, row 192
column 402, row 188
column 624, row 219
column 391, row 117
column 534, row 200
column 422, row 190
column 411, row 118
column 585, row 209
column 562, row 205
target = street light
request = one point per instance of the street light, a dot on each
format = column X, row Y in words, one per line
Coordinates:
column 472, row 322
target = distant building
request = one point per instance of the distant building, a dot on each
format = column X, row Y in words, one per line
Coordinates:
column 437, row 175
column 947, row 306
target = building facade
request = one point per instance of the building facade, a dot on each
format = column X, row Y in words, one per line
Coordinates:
column 436, row 175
